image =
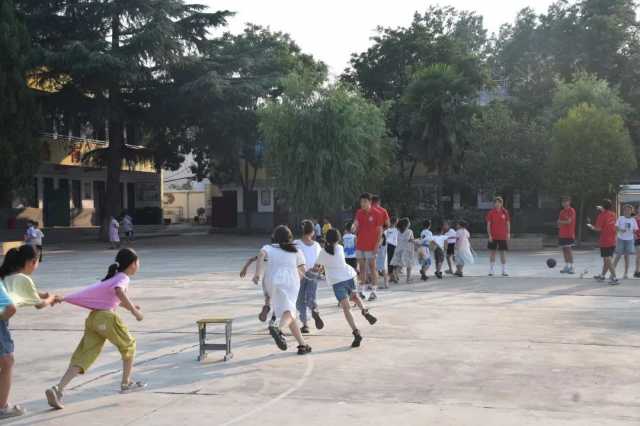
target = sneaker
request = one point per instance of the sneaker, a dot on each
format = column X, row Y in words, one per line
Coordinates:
column 304, row 329
column 636, row 274
column 423, row 276
column 599, row 278
column 614, row 281
column 458, row 274
column 372, row 297
column 362, row 296
column 564, row 270
column 263, row 313
column 318, row 320
column 571, row 271
column 304, row 349
column 133, row 387
column 54, row 397
column 504, row 274
column 278, row 337
column 357, row 338
column 12, row 411
column 490, row 274
column 372, row 320
column 449, row 272
column 439, row 275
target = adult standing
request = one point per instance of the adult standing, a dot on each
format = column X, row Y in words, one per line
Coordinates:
column 606, row 226
column 567, row 234
column 368, row 227
column 499, row 231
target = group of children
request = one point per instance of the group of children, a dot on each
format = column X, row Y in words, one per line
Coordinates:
column 114, row 230
column 17, row 290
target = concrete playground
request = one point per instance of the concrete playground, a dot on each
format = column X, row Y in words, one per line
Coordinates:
column 537, row 348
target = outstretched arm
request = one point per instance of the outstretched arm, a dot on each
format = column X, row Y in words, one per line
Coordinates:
column 258, row 274
column 126, row 303
column 243, row 271
column 8, row 312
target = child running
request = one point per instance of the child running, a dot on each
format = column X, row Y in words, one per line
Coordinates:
column 424, row 254
column 391, row 234
column 450, row 245
column 286, row 269
column 439, row 243
column 404, row 257
column 349, row 242
column 19, row 264
column 342, row 276
column 266, row 290
column 381, row 261
column 7, row 310
column 308, row 294
column 464, row 256
column 103, row 323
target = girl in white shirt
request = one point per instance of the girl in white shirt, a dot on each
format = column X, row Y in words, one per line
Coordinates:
column 464, row 256
column 308, row 294
column 342, row 278
column 286, row 268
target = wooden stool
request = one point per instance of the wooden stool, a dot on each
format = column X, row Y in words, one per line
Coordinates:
column 202, row 334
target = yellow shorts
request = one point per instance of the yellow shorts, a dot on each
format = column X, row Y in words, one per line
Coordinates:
column 99, row 327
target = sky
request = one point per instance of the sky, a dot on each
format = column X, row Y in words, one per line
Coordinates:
column 331, row 30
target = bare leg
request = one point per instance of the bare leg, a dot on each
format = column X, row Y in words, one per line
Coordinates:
column 293, row 326
column 616, row 260
column 346, row 308
column 637, row 261
column 609, row 266
column 492, row 261
column 69, row 375
column 408, row 274
column 6, row 371
column 503, row 257
column 127, row 368
column 374, row 275
column 449, row 264
column 626, row 265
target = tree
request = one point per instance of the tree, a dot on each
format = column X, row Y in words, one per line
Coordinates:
column 324, row 146
column 109, row 60
column 504, row 153
column 19, row 117
column 253, row 65
column 591, row 155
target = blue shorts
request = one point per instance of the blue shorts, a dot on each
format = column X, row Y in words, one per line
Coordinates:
column 625, row 247
column 343, row 289
column 6, row 343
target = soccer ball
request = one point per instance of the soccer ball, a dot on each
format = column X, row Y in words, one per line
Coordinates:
column 551, row 263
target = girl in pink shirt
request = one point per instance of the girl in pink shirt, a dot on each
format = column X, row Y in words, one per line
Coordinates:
column 103, row 324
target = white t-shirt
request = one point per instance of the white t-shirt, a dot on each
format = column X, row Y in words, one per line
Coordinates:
column 462, row 242
column 282, row 265
column 335, row 267
column 425, row 237
column 349, row 241
column 317, row 229
column 452, row 236
column 627, row 226
column 310, row 253
column 439, row 240
column 391, row 235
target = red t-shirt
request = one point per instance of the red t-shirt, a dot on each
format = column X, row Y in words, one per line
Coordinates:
column 638, row 231
column 384, row 214
column 568, row 231
column 498, row 220
column 606, row 221
column 368, row 224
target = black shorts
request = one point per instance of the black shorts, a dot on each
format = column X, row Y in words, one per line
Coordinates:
column 353, row 262
column 439, row 255
column 607, row 251
column 499, row 245
column 566, row 242
column 637, row 243
column 451, row 249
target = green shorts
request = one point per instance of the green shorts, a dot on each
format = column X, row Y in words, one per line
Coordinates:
column 99, row 327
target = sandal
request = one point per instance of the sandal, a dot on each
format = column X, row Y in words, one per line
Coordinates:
column 304, row 349
column 278, row 337
column 372, row 320
column 12, row 411
column 132, row 387
column 357, row 338
column 316, row 317
column 263, row 313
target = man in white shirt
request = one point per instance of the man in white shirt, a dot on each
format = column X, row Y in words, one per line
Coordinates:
column 625, row 244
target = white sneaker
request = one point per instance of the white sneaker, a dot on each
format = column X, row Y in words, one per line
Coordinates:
column 570, row 271
column 564, row 270
column 614, row 281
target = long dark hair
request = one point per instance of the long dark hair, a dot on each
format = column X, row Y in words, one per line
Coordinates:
column 307, row 227
column 124, row 259
column 16, row 258
column 284, row 238
column 333, row 236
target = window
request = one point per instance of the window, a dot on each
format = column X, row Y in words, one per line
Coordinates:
column 485, row 200
column 265, row 197
column 86, row 191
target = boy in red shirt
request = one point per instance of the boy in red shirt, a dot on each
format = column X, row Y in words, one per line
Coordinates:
column 606, row 225
column 567, row 234
column 368, row 227
column 499, row 231
column 637, row 243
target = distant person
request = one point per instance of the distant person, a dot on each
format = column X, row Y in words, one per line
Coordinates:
column 33, row 236
column 318, row 230
column 382, row 268
column 326, row 225
column 636, row 274
column 114, row 233
column 102, row 324
column 391, row 234
column 439, row 245
column 450, row 246
column 286, row 267
column 625, row 247
column 424, row 253
column 464, row 255
column 404, row 257
column 368, row 229
column 127, row 227
column 606, row 226
column 349, row 244
column 567, row 234
column 308, row 293
column 341, row 277
column 499, row 232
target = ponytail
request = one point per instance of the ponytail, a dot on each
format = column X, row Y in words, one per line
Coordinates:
column 16, row 259
column 333, row 236
column 124, row 259
column 283, row 237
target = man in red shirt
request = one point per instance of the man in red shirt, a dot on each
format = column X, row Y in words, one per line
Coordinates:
column 606, row 225
column 567, row 234
column 499, row 231
column 368, row 227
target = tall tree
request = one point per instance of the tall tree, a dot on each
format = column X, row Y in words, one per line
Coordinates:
column 19, row 116
column 324, row 146
column 110, row 58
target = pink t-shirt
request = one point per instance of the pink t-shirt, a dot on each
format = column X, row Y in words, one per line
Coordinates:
column 101, row 295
